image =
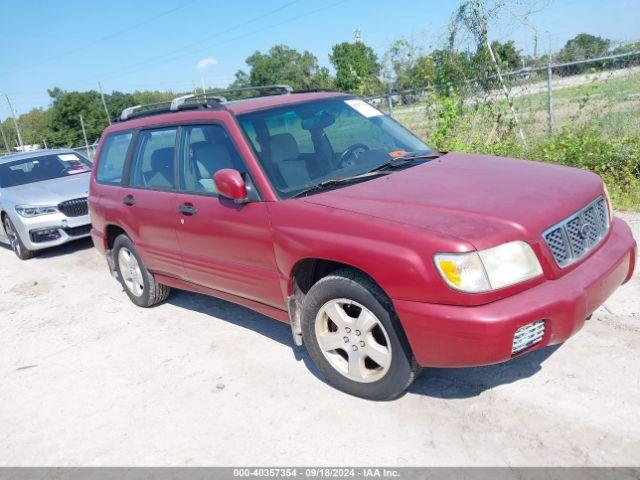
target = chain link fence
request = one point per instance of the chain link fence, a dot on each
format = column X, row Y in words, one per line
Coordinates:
column 526, row 104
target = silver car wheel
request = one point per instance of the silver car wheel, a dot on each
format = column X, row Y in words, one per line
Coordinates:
column 130, row 271
column 353, row 340
column 13, row 236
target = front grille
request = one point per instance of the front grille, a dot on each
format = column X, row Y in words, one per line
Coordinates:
column 527, row 336
column 74, row 208
column 574, row 237
column 78, row 231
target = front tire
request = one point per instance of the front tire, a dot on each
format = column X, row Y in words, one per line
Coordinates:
column 136, row 280
column 354, row 337
column 22, row 252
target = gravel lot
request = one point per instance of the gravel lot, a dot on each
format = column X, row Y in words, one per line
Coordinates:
column 89, row 379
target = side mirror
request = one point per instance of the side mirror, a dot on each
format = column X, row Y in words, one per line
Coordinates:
column 229, row 183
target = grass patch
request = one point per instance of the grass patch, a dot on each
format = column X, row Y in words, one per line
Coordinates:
column 597, row 127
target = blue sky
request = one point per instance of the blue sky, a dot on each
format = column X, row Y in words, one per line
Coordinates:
column 158, row 44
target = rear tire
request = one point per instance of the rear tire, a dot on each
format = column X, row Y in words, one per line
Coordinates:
column 354, row 337
column 139, row 284
column 22, row 252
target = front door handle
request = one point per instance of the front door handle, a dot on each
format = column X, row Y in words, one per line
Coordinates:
column 129, row 200
column 187, row 209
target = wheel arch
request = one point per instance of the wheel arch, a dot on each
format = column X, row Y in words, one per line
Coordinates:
column 305, row 273
column 111, row 232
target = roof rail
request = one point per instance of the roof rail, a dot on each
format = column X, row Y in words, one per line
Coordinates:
column 279, row 86
column 193, row 101
column 126, row 113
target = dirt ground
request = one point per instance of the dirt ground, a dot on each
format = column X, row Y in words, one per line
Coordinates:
column 86, row 378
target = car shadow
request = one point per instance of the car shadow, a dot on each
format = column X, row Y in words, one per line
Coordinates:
column 65, row 249
column 245, row 318
column 446, row 383
column 452, row 383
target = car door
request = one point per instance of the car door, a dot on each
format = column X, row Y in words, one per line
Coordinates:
column 225, row 246
column 149, row 201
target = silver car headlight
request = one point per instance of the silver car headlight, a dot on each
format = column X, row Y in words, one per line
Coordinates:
column 29, row 211
column 490, row 269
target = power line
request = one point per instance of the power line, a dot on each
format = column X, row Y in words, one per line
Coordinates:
column 85, row 46
column 289, row 20
column 160, row 58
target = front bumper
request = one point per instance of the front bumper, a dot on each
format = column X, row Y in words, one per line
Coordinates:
column 455, row 336
column 66, row 228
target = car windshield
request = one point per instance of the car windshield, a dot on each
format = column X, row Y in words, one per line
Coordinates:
column 40, row 168
column 305, row 144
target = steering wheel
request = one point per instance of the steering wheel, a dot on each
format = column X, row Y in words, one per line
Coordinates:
column 350, row 155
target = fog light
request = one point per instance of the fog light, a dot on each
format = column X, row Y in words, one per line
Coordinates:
column 528, row 335
column 44, row 235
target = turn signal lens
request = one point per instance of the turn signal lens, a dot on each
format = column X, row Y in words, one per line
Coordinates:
column 463, row 271
column 490, row 269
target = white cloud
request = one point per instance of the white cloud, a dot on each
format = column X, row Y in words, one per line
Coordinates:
column 206, row 63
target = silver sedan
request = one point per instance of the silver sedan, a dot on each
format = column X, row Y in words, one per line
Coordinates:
column 43, row 199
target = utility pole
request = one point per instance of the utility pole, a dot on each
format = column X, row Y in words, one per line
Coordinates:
column 357, row 35
column 15, row 121
column 84, row 134
column 104, row 104
column 204, row 90
column 4, row 139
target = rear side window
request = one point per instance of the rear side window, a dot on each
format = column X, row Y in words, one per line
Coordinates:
column 112, row 158
column 153, row 163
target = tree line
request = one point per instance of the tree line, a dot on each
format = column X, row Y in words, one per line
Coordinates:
column 358, row 69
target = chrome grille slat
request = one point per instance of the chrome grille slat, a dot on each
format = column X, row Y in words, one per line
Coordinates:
column 527, row 336
column 74, row 208
column 575, row 236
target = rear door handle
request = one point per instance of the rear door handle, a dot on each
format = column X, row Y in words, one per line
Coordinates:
column 187, row 209
column 129, row 200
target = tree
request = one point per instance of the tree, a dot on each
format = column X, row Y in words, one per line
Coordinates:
column 68, row 106
column 282, row 64
column 583, row 46
column 357, row 68
column 407, row 67
column 36, row 126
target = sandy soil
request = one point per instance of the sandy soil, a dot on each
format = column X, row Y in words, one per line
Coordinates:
column 89, row 379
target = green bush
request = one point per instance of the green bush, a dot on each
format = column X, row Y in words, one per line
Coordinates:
column 615, row 159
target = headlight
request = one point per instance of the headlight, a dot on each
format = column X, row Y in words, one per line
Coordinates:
column 35, row 210
column 609, row 204
column 489, row 269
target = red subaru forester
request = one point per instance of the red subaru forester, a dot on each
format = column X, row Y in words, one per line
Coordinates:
column 316, row 209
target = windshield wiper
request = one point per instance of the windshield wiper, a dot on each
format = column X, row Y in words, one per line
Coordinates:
column 335, row 181
column 379, row 170
column 404, row 159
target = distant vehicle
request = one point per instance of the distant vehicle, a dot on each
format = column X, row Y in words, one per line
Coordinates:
column 43, row 199
column 318, row 210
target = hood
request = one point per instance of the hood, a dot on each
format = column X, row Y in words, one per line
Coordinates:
column 48, row 192
column 480, row 199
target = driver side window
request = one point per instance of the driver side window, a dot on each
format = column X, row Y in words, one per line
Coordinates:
column 205, row 150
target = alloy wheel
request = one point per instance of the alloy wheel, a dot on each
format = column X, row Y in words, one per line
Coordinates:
column 130, row 271
column 13, row 236
column 353, row 340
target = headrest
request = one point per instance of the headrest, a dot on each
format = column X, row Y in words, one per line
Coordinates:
column 284, row 147
column 213, row 157
column 162, row 159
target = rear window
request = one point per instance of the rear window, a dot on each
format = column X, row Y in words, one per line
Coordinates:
column 41, row 168
column 112, row 158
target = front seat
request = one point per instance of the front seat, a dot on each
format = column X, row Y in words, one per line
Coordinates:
column 208, row 159
column 285, row 155
column 161, row 174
